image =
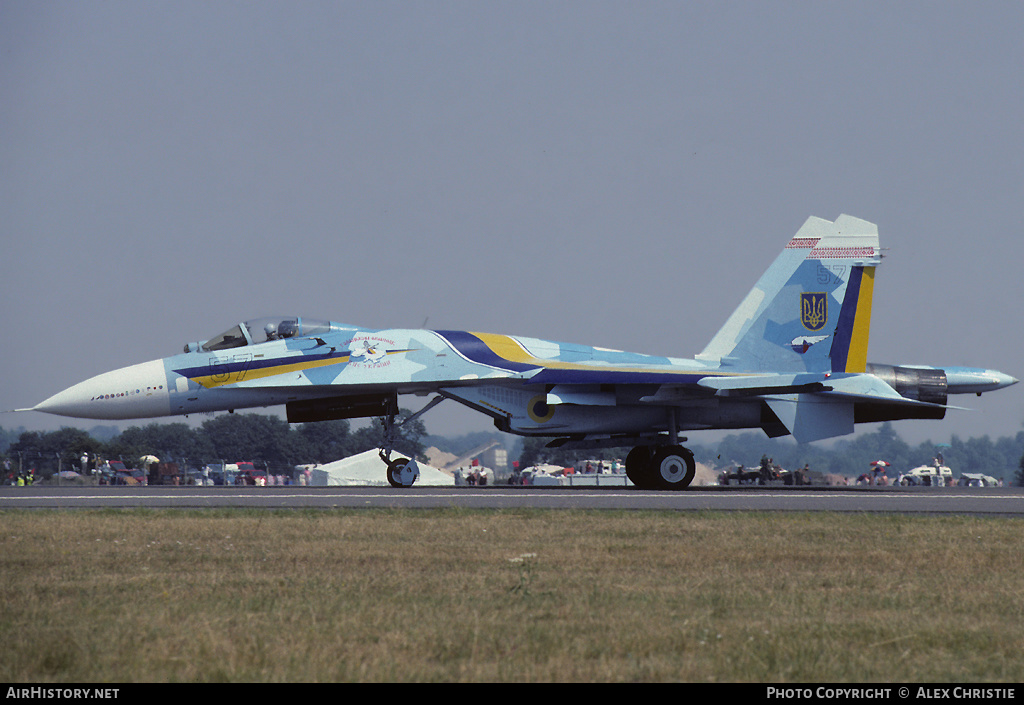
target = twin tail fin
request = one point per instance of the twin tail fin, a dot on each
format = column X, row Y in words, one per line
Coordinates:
column 811, row 310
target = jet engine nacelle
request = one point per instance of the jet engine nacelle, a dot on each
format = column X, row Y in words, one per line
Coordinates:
column 926, row 384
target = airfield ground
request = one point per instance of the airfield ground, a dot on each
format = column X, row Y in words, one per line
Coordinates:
column 518, row 595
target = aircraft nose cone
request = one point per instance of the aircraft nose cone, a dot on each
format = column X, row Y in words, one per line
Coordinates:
column 134, row 392
column 70, row 402
column 999, row 380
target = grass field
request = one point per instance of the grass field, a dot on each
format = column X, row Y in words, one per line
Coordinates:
column 237, row 595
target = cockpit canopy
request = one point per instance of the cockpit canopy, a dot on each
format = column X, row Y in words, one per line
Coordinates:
column 262, row 330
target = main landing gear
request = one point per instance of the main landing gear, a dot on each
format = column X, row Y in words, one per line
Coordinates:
column 668, row 467
column 662, row 467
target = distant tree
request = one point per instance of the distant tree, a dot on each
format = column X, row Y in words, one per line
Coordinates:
column 533, row 452
column 272, row 441
column 848, row 457
column 7, row 437
column 252, row 437
column 1010, row 449
column 747, row 448
column 411, row 435
column 172, row 442
column 46, row 452
column 325, row 441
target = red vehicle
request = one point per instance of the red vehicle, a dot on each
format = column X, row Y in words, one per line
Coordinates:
column 120, row 475
column 249, row 475
column 165, row 474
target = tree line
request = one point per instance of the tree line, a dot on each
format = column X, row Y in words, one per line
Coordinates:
column 1000, row 458
column 267, row 441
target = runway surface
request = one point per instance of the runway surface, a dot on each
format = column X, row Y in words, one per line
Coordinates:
column 1002, row 501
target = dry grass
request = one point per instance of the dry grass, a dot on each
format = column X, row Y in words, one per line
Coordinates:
column 115, row 596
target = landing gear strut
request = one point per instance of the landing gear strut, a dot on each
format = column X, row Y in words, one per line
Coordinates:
column 402, row 472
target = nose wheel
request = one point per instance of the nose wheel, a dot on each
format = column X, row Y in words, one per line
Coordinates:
column 402, row 472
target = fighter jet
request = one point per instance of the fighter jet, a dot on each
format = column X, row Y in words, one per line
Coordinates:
column 791, row 359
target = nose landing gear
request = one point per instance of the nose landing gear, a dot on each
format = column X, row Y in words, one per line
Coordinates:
column 402, row 472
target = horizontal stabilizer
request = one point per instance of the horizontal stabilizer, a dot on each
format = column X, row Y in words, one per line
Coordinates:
column 833, row 411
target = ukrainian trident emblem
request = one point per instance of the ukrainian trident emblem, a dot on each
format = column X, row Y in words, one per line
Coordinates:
column 813, row 310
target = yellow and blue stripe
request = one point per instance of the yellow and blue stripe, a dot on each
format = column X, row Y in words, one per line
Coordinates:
column 850, row 346
column 504, row 352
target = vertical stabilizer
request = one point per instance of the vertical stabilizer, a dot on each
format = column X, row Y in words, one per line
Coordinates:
column 811, row 310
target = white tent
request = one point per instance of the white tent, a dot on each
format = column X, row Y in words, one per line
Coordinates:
column 368, row 469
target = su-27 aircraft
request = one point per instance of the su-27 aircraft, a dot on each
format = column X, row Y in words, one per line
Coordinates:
column 792, row 359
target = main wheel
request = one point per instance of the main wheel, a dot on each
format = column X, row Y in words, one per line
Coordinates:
column 672, row 467
column 400, row 474
column 638, row 467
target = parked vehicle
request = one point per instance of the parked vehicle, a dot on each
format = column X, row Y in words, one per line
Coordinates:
column 977, row 479
column 934, row 475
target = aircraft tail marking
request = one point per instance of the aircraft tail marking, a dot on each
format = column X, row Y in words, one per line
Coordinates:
column 850, row 343
column 811, row 310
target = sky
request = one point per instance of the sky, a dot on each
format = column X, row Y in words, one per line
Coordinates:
column 616, row 174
